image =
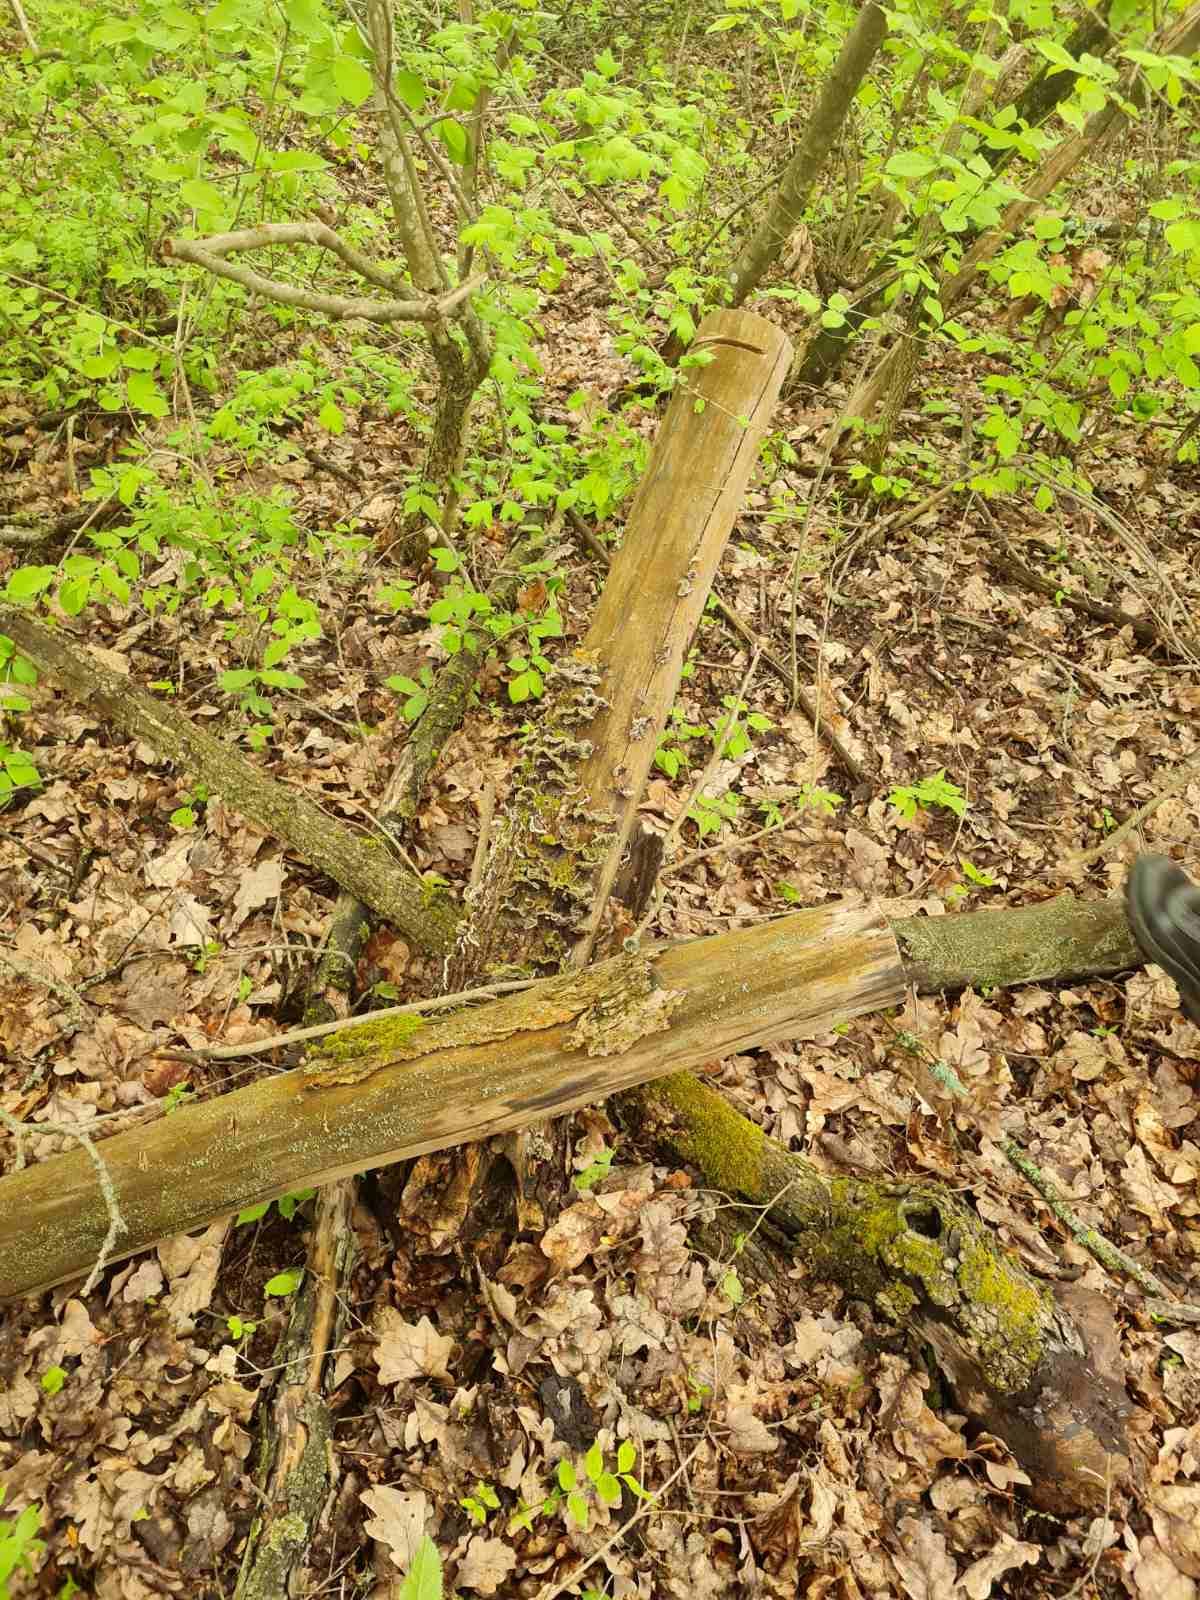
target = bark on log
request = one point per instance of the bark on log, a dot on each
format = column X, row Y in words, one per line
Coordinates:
column 1053, row 942
column 205, row 1161
column 920, row 1258
column 402, row 1093
column 360, row 864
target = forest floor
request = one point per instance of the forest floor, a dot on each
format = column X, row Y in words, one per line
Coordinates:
column 818, row 1457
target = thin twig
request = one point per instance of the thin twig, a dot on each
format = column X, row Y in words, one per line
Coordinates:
column 277, row 1041
column 1178, row 780
column 1106, row 1253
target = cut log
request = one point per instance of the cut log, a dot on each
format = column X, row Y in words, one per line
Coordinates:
column 577, row 788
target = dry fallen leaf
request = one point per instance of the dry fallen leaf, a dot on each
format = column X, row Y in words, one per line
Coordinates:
column 409, row 1350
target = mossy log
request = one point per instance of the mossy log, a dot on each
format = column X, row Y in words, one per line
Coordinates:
column 273, row 1137
column 922, row 1260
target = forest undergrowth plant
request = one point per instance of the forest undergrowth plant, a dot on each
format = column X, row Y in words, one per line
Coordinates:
column 935, row 790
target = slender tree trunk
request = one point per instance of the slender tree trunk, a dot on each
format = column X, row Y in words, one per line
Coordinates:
column 786, row 211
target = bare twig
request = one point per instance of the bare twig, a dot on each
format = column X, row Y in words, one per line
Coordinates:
column 18, row 11
column 210, row 254
column 278, row 1041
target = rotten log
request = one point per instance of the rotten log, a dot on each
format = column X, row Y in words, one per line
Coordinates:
column 781, row 980
column 558, row 847
column 386, row 1092
column 921, row 1259
column 383, row 1092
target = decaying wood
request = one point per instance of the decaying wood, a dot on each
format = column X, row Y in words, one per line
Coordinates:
column 296, row 1452
column 509, row 1063
column 576, row 791
column 921, row 1258
column 360, row 864
column 401, row 1093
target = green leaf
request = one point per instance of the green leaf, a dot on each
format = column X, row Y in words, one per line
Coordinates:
column 297, row 161
column 455, row 140
column 608, row 1489
column 145, row 395
column 254, row 1213
column 139, row 359
column 331, row 418
column 577, row 1508
column 593, row 1463
column 410, row 88
column 911, row 164
column 565, row 1474
column 353, row 79
column 305, row 17
column 423, row 1580
column 73, row 595
column 1183, row 237
column 202, row 195
column 102, row 365
column 112, row 33
column 284, row 1283
column 236, row 679
column 28, row 582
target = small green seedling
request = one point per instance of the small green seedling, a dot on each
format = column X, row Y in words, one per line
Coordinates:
column 595, row 1172
column 937, row 790
column 288, row 1205
column 478, row 1505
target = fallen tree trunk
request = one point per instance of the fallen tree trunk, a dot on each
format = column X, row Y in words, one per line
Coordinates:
column 914, row 1252
column 397, row 1089
column 508, row 1066
column 919, row 1257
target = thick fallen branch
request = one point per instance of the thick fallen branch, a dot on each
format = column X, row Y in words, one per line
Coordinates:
column 783, row 979
column 389, row 1091
column 359, row 864
column 397, row 1091
column 921, row 1258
